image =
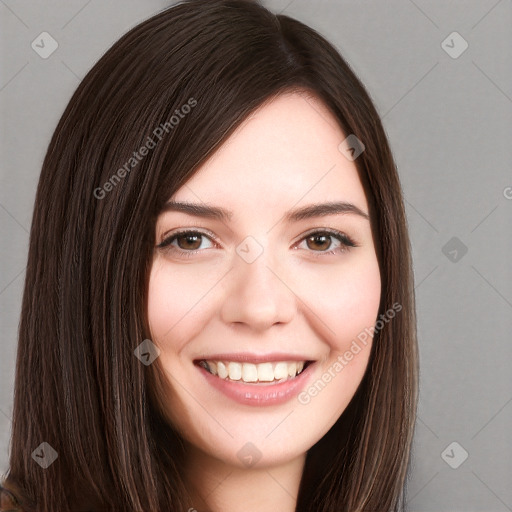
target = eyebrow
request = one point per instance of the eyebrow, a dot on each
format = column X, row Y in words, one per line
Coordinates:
column 306, row 212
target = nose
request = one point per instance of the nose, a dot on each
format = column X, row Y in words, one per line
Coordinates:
column 257, row 295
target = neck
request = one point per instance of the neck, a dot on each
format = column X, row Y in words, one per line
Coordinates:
column 216, row 486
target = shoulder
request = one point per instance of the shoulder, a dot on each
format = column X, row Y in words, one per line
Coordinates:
column 8, row 502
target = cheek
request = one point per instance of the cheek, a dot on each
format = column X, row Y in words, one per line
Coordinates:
column 163, row 308
column 176, row 312
column 343, row 301
column 178, row 303
column 346, row 309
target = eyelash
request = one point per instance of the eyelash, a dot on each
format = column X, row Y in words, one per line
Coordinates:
column 346, row 242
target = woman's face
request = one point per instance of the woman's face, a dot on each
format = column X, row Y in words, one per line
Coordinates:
column 260, row 292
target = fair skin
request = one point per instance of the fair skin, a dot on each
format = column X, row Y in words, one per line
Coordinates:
column 294, row 297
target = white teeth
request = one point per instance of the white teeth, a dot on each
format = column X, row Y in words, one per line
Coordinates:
column 249, row 372
column 281, row 371
column 235, row 371
column 221, row 370
column 266, row 373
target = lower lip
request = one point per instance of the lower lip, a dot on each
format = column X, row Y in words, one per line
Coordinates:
column 264, row 394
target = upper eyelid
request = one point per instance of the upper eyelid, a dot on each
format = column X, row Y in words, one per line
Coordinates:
column 180, row 231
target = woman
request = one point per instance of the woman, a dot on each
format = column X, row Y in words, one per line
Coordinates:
column 218, row 309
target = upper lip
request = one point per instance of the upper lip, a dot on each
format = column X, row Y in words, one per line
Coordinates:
column 246, row 357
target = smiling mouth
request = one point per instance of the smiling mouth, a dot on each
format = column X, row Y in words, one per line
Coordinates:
column 250, row 373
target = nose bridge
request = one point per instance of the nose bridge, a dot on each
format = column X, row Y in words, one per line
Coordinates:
column 257, row 295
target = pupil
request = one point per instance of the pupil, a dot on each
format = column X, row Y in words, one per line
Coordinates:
column 188, row 238
column 316, row 237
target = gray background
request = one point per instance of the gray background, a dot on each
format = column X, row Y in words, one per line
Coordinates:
column 449, row 121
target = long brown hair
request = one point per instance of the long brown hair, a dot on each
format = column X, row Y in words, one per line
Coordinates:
column 184, row 79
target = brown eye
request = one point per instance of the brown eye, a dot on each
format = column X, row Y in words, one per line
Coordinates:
column 185, row 243
column 189, row 241
column 320, row 242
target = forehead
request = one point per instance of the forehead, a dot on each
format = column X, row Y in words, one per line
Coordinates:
column 285, row 153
